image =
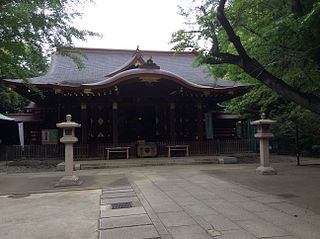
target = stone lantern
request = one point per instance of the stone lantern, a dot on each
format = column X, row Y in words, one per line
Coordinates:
column 69, row 179
column 264, row 134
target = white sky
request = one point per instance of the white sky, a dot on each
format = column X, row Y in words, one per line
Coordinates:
column 127, row 23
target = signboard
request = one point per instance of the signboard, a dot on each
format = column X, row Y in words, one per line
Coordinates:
column 49, row 136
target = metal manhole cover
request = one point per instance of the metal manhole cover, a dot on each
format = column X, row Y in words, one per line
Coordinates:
column 288, row 195
column 121, row 205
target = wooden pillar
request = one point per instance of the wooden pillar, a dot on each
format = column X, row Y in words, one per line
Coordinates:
column 59, row 113
column 172, row 122
column 199, row 122
column 115, row 123
column 84, row 131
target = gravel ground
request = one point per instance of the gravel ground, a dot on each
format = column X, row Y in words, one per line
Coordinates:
column 31, row 166
column 28, row 166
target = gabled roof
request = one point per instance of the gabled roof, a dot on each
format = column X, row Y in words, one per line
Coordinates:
column 101, row 65
column 136, row 61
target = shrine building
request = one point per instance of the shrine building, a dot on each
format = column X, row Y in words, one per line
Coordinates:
column 121, row 96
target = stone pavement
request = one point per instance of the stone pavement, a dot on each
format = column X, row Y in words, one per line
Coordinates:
column 123, row 216
column 185, row 201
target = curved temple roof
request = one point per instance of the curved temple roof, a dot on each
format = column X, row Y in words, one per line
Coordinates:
column 105, row 67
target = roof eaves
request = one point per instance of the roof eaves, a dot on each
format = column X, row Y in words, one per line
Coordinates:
column 6, row 118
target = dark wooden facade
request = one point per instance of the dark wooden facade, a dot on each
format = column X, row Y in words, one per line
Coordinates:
column 138, row 100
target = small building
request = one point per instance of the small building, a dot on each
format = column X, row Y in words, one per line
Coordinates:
column 122, row 96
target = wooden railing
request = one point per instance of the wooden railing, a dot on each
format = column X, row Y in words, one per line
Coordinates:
column 97, row 151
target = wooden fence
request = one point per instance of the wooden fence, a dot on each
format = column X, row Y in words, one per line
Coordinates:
column 97, row 151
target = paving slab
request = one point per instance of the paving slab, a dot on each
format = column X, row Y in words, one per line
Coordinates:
column 161, row 229
column 302, row 182
column 50, row 215
column 269, row 199
column 199, row 209
column 286, row 237
column 261, row 228
column 253, row 206
column 171, row 219
column 180, row 193
column 236, row 234
column 292, row 209
column 248, row 193
column 124, row 221
column 313, row 219
column 203, row 195
column 118, row 195
column 303, row 230
column 220, row 222
column 117, row 190
column 185, row 200
column 202, row 235
column 136, row 232
column 279, row 218
column 230, row 210
column 232, row 197
column 165, row 207
column 182, row 230
column 264, row 213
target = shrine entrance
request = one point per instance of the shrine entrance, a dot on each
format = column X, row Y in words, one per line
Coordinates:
column 142, row 122
column 136, row 122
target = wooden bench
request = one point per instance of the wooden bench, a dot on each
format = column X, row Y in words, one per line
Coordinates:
column 124, row 150
column 184, row 148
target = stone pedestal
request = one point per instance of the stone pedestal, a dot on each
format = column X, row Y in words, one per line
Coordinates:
column 264, row 134
column 69, row 179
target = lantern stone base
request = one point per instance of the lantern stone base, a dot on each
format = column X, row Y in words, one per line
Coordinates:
column 66, row 181
column 266, row 170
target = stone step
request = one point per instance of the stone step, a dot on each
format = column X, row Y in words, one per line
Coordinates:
column 121, row 163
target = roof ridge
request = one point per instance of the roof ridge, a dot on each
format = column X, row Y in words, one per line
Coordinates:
column 126, row 51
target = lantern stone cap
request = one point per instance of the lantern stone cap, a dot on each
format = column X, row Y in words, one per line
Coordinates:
column 263, row 121
column 68, row 123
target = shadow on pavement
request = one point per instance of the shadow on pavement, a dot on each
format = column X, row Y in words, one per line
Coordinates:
column 38, row 184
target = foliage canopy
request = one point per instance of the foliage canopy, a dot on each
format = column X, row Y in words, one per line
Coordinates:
column 253, row 39
column 273, row 44
column 30, row 31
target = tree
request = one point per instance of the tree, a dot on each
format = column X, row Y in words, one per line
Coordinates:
column 30, row 31
column 274, row 42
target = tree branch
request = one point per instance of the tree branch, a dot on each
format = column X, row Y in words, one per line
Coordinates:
column 257, row 71
column 223, row 58
column 230, row 32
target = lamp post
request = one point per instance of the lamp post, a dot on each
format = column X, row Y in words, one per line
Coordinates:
column 264, row 134
column 69, row 179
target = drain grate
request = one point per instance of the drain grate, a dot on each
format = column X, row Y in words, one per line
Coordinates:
column 120, row 205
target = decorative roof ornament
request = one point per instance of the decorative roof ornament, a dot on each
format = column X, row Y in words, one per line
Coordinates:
column 150, row 65
column 137, row 52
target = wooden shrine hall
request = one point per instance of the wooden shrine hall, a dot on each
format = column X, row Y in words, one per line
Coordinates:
column 121, row 96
